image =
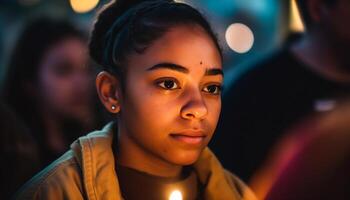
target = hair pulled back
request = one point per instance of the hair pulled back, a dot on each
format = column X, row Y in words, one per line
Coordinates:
column 130, row 26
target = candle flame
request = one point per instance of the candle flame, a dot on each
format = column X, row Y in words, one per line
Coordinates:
column 175, row 195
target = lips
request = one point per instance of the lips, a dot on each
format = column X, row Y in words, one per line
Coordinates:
column 189, row 137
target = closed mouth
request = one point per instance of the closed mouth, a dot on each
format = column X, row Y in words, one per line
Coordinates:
column 190, row 137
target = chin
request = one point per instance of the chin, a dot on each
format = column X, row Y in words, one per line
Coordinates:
column 186, row 158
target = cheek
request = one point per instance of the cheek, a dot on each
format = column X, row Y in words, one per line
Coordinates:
column 53, row 89
column 214, row 109
column 150, row 109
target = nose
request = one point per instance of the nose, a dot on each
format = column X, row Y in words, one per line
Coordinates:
column 195, row 107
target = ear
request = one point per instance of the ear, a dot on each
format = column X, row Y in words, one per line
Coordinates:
column 108, row 89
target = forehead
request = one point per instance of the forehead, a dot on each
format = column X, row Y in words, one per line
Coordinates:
column 70, row 48
column 186, row 45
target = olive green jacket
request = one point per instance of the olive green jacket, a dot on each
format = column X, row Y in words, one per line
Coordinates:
column 87, row 171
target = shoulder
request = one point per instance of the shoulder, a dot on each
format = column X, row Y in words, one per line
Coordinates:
column 62, row 179
column 245, row 192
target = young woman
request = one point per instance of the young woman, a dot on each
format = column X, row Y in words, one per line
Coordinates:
column 162, row 76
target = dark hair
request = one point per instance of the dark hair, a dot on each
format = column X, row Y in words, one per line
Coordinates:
column 304, row 10
column 37, row 37
column 127, row 26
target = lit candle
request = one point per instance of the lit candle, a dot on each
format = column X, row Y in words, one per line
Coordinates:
column 175, row 195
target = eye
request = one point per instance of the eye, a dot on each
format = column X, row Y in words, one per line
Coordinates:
column 213, row 89
column 168, row 84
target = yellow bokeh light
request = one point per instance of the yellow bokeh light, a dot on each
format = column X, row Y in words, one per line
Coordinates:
column 296, row 23
column 175, row 195
column 83, row 6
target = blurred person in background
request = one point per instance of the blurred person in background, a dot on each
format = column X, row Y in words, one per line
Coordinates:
column 306, row 76
column 317, row 163
column 49, row 84
column 18, row 153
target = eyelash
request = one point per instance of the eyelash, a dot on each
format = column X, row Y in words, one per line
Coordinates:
column 217, row 90
column 162, row 83
column 174, row 85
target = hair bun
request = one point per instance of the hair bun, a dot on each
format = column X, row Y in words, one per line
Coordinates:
column 106, row 17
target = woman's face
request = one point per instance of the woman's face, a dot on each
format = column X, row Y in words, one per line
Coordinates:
column 64, row 81
column 171, row 103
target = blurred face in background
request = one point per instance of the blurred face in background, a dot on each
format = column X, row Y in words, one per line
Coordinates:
column 64, row 80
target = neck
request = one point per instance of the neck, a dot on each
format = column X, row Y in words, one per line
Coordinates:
column 322, row 56
column 133, row 155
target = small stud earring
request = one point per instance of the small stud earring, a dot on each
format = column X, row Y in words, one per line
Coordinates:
column 114, row 107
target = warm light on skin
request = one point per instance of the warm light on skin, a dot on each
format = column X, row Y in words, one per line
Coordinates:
column 296, row 24
column 153, row 112
column 175, row 195
column 164, row 129
column 83, row 6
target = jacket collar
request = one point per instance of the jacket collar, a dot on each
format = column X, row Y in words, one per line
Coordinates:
column 95, row 156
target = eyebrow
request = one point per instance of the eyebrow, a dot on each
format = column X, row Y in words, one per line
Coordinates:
column 170, row 66
column 214, row 72
column 182, row 69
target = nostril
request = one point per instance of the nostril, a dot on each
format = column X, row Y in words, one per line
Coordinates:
column 194, row 110
column 193, row 114
column 190, row 115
